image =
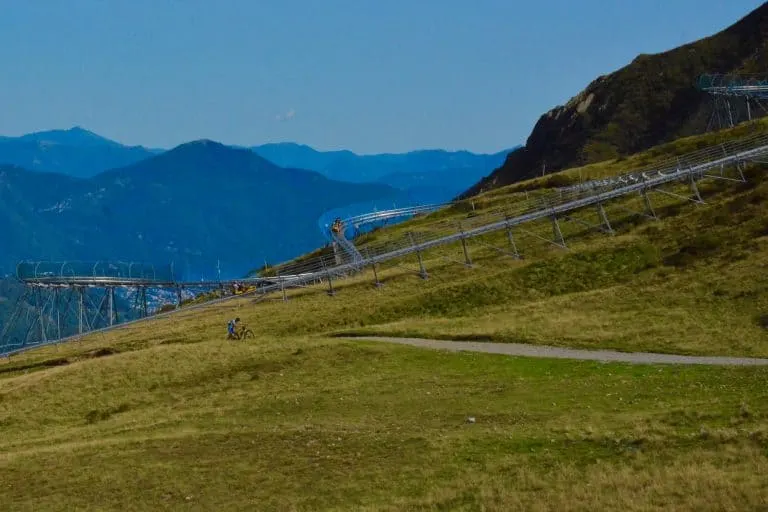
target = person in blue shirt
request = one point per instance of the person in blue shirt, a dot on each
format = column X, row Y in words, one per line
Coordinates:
column 231, row 328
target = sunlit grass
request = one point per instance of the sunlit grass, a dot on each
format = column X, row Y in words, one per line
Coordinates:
column 167, row 414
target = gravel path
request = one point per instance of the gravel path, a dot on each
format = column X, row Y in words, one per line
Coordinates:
column 519, row 349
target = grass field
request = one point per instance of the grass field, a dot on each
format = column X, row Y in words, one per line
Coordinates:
column 168, row 415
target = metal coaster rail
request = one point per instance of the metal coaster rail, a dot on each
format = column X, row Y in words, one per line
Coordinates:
column 563, row 201
column 373, row 217
column 734, row 85
column 688, row 169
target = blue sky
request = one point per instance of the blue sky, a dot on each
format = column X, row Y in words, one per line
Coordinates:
column 366, row 75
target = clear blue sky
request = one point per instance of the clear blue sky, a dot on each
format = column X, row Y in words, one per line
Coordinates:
column 367, row 75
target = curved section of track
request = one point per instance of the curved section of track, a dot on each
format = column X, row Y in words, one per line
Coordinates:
column 356, row 223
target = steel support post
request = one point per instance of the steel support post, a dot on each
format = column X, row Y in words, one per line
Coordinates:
column 695, row 190
column 511, row 238
column 377, row 283
column 282, row 287
column 40, row 306
column 467, row 258
column 559, row 240
column 740, row 167
column 337, row 253
column 81, row 311
column 111, row 301
column 730, row 113
column 57, row 305
column 144, row 308
column 331, row 292
column 648, row 206
column 422, row 271
column 604, row 219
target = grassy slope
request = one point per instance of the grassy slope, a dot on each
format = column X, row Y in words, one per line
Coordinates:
column 167, row 415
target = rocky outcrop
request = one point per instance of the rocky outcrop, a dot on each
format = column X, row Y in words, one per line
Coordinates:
column 652, row 100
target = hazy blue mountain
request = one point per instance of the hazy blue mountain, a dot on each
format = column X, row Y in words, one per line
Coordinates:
column 75, row 136
column 349, row 166
column 81, row 153
column 445, row 183
column 74, row 152
column 197, row 203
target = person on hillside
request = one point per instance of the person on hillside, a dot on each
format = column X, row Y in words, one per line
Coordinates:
column 336, row 227
column 231, row 328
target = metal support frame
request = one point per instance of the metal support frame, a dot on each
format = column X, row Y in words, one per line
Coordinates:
column 57, row 306
column 740, row 165
column 144, row 309
column 111, row 293
column 331, row 292
column 81, row 311
column 697, row 199
column 422, row 271
column 467, row 258
column 511, row 238
column 605, row 223
column 376, row 283
column 695, row 190
column 558, row 234
column 725, row 89
column 40, row 306
column 282, row 287
column 649, row 212
column 40, row 320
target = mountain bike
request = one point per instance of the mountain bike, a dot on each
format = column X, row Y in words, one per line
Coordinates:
column 241, row 333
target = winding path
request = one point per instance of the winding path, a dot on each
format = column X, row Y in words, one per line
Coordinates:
column 545, row 351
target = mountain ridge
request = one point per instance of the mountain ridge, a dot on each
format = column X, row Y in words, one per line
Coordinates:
column 196, row 203
column 74, row 152
column 349, row 166
column 80, row 152
column 649, row 101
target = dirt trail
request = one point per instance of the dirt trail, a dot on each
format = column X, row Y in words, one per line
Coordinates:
column 519, row 349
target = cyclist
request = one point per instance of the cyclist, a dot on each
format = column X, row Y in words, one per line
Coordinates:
column 231, row 328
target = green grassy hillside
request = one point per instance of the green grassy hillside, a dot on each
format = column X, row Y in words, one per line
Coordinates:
column 168, row 415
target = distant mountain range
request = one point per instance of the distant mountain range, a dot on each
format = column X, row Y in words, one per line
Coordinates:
column 74, row 195
column 349, row 166
column 423, row 176
column 81, row 153
column 197, row 203
column 75, row 152
column 416, row 177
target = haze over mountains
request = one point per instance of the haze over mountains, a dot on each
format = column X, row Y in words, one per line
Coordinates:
column 190, row 200
column 196, row 203
column 81, row 153
column 384, row 167
column 200, row 201
column 75, row 152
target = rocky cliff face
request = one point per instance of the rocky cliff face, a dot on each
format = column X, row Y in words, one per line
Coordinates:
column 652, row 100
